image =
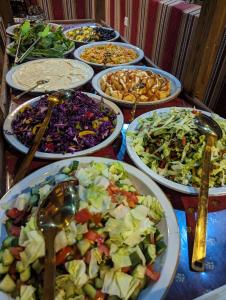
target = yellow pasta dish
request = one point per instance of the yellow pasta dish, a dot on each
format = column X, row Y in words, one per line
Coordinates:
column 135, row 85
column 108, row 54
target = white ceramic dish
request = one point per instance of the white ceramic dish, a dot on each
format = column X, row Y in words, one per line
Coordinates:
column 160, row 179
column 32, row 58
column 12, row 139
column 175, row 85
column 80, row 64
column 117, row 35
column 78, row 52
column 10, row 29
column 166, row 263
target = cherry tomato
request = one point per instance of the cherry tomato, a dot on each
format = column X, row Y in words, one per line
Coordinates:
column 14, row 230
column 62, row 255
column 153, row 275
column 13, row 213
column 82, row 216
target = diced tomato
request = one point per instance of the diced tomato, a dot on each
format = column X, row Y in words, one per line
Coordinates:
column 125, row 269
column 49, row 147
column 131, row 198
column 183, row 141
column 99, row 295
column 82, row 216
column 94, row 237
column 153, row 275
column 113, row 191
column 62, row 255
column 14, row 230
column 15, row 251
column 96, row 218
column 104, row 249
column 87, row 257
column 13, row 213
column 20, row 217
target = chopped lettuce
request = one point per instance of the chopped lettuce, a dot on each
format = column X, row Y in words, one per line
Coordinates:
column 77, row 271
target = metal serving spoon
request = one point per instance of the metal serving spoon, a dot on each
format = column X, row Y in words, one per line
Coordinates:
column 39, row 82
column 54, row 100
column 54, row 213
column 206, row 125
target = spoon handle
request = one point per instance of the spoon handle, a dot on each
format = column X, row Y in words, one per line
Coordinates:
column 199, row 247
column 25, row 92
column 50, row 265
column 29, row 157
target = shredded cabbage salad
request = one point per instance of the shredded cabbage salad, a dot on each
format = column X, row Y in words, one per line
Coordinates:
column 170, row 145
column 75, row 125
column 108, row 250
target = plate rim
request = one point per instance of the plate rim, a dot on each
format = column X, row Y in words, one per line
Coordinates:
column 12, row 140
column 139, row 51
column 217, row 191
column 13, row 69
column 160, row 287
column 171, row 77
column 117, row 34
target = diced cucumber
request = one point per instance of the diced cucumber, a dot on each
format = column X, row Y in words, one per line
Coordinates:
column 151, row 253
column 35, row 190
column 3, row 269
column 99, row 283
column 1, row 254
column 8, row 225
column 135, row 293
column 25, row 275
column 34, row 200
column 20, row 266
column 7, row 285
column 7, row 258
column 160, row 247
column 135, row 259
column 69, row 289
column 139, row 271
column 83, row 246
column 66, row 170
column 89, row 290
column 10, row 241
column 79, row 237
column 37, row 266
column 158, row 235
column 74, row 165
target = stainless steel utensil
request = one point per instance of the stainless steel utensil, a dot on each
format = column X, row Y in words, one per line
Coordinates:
column 54, row 213
column 206, row 125
column 39, row 82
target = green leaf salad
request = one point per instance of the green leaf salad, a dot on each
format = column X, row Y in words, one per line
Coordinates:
column 170, row 145
column 51, row 43
column 108, row 250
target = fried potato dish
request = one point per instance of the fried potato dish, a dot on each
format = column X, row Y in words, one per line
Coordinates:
column 135, row 85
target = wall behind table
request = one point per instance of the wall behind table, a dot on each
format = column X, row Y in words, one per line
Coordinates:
column 66, row 9
column 162, row 28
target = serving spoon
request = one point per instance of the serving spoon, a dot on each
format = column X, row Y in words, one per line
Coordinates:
column 207, row 126
column 54, row 213
column 39, row 82
column 53, row 100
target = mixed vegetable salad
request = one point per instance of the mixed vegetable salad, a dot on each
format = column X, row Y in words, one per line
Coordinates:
column 170, row 144
column 76, row 124
column 51, row 42
column 89, row 34
column 107, row 251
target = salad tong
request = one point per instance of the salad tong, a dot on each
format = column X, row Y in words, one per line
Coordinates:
column 207, row 126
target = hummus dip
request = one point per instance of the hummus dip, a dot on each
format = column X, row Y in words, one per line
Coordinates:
column 60, row 73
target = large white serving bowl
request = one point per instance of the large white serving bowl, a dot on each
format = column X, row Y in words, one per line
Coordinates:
column 166, row 263
column 77, row 53
column 12, row 139
column 87, row 69
column 175, row 85
column 217, row 191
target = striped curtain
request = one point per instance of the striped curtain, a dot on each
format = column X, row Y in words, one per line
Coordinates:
column 66, row 9
column 2, row 35
column 164, row 29
column 218, row 78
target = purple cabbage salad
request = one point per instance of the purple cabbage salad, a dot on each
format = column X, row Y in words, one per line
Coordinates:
column 76, row 124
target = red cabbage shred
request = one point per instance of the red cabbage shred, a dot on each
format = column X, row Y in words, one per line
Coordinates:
column 79, row 114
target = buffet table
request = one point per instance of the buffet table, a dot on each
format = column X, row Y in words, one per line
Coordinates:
column 187, row 284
